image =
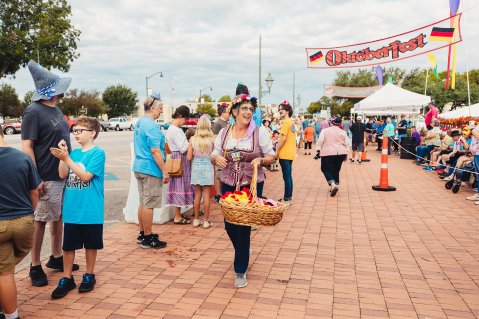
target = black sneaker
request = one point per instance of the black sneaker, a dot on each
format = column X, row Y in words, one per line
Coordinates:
column 64, row 286
column 140, row 237
column 88, row 283
column 152, row 241
column 38, row 276
column 57, row 264
column 217, row 199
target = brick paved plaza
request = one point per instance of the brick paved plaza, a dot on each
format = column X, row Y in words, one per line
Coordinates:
column 413, row 253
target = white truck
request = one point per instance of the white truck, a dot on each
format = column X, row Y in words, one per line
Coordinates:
column 120, row 123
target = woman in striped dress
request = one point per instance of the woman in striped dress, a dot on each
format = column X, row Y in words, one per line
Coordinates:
column 180, row 190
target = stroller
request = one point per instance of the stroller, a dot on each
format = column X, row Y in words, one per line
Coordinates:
column 462, row 175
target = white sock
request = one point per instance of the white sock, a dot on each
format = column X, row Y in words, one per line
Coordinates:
column 13, row 315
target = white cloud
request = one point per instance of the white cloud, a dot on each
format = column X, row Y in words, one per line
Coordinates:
column 203, row 43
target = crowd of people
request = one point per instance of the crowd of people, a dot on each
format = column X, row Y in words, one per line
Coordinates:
column 51, row 183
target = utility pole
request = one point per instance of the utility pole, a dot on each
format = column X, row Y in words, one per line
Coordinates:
column 260, row 89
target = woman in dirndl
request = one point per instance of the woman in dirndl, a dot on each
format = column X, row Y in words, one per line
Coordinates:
column 180, row 190
column 239, row 147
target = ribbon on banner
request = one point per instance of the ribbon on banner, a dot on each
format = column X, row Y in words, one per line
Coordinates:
column 409, row 44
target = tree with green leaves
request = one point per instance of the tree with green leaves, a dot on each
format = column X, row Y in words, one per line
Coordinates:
column 120, row 100
column 27, row 99
column 225, row 98
column 74, row 100
column 206, row 108
column 206, row 98
column 9, row 103
column 38, row 30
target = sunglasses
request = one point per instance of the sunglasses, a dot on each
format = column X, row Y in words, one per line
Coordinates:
column 80, row 130
column 246, row 108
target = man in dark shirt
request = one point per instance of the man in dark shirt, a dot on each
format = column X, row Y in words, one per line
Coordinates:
column 223, row 119
column 19, row 181
column 402, row 128
column 43, row 127
column 358, row 129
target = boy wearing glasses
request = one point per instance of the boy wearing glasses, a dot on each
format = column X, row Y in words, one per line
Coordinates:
column 83, row 203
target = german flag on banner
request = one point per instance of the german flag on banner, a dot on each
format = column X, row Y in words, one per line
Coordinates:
column 442, row 34
column 315, row 58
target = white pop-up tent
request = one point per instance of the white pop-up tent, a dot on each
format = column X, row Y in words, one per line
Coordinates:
column 392, row 99
column 472, row 110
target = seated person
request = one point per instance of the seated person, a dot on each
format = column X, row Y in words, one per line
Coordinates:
column 447, row 145
column 431, row 141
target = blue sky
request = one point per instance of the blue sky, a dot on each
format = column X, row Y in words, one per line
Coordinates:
column 215, row 43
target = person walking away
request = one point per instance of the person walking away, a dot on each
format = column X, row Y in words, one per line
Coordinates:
column 220, row 123
column 238, row 148
column 83, row 204
column 358, row 129
column 44, row 126
column 19, row 182
column 379, row 133
column 202, row 170
column 334, row 145
column 149, row 169
column 180, row 190
column 317, row 128
column 308, row 138
column 287, row 149
column 346, row 125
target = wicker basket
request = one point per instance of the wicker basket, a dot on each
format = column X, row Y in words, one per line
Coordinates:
column 252, row 214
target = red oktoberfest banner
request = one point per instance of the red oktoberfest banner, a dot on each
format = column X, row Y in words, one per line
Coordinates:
column 406, row 45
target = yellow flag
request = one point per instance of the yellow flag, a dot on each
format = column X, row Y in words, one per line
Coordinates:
column 453, row 78
column 433, row 61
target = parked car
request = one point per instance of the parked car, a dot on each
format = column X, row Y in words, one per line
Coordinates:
column 71, row 123
column 104, row 125
column 120, row 123
column 10, row 127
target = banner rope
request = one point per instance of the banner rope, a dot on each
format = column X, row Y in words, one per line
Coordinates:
column 426, row 160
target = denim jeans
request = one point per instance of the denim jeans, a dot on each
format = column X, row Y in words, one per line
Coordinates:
column 286, row 168
column 424, row 152
column 240, row 235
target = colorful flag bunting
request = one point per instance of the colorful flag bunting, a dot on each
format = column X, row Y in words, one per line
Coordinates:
column 432, row 59
column 442, row 34
column 315, row 58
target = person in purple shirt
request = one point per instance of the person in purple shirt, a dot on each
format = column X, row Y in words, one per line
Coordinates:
column 415, row 133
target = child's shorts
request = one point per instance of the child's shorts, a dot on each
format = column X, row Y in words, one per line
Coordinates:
column 78, row 236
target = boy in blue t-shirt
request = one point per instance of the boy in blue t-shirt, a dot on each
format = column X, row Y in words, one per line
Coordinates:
column 83, row 203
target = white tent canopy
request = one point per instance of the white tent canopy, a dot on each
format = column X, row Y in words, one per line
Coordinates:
column 392, row 99
column 472, row 110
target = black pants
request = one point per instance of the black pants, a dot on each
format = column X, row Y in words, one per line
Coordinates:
column 240, row 235
column 331, row 166
column 308, row 145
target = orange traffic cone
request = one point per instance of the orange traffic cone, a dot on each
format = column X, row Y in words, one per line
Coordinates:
column 383, row 177
column 364, row 154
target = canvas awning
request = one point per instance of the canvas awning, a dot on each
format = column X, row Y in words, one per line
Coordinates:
column 393, row 100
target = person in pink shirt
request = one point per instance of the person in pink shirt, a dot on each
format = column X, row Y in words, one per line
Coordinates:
column 432, row 114
column 334, row 145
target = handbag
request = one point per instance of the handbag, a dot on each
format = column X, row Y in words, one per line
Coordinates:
column 174, row 167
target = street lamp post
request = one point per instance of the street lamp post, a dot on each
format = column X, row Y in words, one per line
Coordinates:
column 147, row 77
column 206, row 88
column 269, row 79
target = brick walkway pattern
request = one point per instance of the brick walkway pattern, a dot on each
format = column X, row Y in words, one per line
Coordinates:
column 413, row 253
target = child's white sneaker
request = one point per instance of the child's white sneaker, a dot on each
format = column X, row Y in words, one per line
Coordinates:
column 196, row 222
column 207, row 224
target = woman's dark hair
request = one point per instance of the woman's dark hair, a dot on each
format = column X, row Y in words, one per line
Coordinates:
column 264, row 122
column 287, row 108
column 182, row 111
